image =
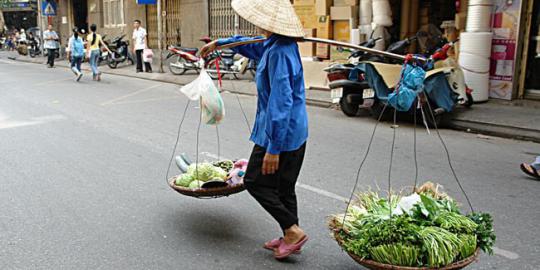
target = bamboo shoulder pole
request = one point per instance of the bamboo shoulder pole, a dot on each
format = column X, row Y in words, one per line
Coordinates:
column 333, row 43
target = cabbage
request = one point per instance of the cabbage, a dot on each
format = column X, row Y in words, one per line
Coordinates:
column 195, row 184
column 219, row 173
column 183, row 180
column 202, row 172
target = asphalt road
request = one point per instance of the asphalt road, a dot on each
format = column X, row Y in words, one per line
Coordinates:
column 82, row 180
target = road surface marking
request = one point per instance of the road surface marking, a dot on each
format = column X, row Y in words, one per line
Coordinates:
column 112, row 101
column 52, row 81
column 143, row 100
column 6, row 124
column 505, row 253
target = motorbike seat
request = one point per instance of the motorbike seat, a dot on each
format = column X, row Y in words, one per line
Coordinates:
column 186, row 49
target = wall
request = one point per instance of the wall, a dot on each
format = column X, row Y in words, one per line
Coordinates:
column 132, row 11
column 194, row 22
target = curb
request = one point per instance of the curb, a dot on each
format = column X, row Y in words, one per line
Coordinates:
column 457, row 124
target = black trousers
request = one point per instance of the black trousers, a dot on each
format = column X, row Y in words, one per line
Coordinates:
column 276, row 192
column 51, row 53
column 147, row 66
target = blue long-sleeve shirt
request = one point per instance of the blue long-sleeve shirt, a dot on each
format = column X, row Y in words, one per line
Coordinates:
column 281, row 123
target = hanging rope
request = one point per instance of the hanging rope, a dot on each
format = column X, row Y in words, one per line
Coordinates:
column 177, row 139
column 448, row 155
column 414, row 150
column 394, row 128
column 362, row 164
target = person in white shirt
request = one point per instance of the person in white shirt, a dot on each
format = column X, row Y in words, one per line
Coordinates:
column 51, row 44
column 139, row 45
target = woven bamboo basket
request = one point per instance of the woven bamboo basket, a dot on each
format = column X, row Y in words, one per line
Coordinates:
column 205, row 193
column 373, row 265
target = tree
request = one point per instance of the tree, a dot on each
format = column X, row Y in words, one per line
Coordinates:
column 3, row 4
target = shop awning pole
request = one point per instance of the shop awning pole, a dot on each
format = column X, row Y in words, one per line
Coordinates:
column 160, row 36
column 333, row 43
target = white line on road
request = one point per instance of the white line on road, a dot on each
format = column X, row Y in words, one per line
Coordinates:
column 112, row 101
column 5, row 124
column 505, row 253
column 52, row 81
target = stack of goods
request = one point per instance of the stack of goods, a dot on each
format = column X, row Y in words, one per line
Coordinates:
column 475, row 48
column 425, row 229
column 344, row 15
column 315, row 17
column 196, row 176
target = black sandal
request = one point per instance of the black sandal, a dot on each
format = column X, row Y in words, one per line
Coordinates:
column 534, row 172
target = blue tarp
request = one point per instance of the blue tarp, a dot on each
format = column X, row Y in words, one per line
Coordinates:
column 436, row 86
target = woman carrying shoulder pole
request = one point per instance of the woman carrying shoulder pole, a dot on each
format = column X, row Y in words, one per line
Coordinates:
column 75, row 53
column 281, row 126
column 94, row 42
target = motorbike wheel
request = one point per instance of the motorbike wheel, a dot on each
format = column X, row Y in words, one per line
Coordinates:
column 212, row 67
column 130, row 60
column 175, row 69
column 349, row 109
column 32, row 53
column 111, row 63
column 470, row 101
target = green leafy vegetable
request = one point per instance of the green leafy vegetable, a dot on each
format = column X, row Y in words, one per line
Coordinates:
column 396, row 254
column 441, row 246
column 468, row 245
column 183, row 180
column 455, row 222
column 484, row 231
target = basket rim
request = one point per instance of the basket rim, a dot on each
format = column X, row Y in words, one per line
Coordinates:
column 206, row 192
column 371, row 264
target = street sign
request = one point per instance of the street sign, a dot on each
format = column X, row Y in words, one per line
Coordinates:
column 146, row 2
column 48, row 8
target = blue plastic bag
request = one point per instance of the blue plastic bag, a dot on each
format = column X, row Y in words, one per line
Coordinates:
column 411, row 83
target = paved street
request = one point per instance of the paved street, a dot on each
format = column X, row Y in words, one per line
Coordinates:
column 82, row 180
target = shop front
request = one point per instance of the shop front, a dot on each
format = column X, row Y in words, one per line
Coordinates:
column 19, row 14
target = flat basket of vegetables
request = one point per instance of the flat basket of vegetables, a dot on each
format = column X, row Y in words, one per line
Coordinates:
column 422, row 231
column 209, row 180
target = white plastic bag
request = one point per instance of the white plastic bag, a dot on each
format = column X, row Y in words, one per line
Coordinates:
column 203, row 88
column 147, row 55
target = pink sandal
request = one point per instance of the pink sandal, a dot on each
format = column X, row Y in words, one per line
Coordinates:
column 274, row 243
column 284, row 250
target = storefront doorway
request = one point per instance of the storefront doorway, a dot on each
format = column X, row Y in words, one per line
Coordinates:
column 532, row 79
column 80, row 14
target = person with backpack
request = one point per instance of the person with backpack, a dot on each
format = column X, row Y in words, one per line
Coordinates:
column 75, row 53
column 94, row 41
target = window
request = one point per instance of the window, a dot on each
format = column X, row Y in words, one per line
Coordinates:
column 113, row 13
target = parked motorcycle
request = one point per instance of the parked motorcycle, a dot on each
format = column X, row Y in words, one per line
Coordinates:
column 352, row 95
column 185, row 58
column 34, row 47
column 230, row 64
column 120, row 52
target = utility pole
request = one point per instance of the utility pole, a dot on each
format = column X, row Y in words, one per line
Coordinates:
column 160, row 36
column 40, row 25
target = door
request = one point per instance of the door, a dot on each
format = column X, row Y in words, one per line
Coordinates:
column 532, row 80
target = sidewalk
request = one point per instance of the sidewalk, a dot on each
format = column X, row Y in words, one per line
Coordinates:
column 517, row 119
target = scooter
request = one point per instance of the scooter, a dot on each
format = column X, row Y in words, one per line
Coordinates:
column 351, row 94
column 34, row 47
column 228, row 65
column 185, row 58
column 120, row 52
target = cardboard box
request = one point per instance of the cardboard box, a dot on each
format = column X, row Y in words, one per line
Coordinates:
column 323, row 51
column 461, row 20
column 322, row 7
column 324, row 27
column 341, row 3
column 307, row 16
column 308, row 49
column 344, row 13
column 342, row 30
column 304, row 2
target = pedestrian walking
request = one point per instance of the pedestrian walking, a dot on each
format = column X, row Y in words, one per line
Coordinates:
column 51, row 44
column 94, row 42
column 281, row 126
column 532, row 169
column 140, row 39
column 76, row 53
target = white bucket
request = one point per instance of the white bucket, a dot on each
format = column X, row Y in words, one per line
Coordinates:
column 366, row 12
column 474, row 63
column 476, row 43
column 382, row 13
column 479, row 83
column 479, row 16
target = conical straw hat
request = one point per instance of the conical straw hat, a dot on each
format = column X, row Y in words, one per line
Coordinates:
column 276, row 16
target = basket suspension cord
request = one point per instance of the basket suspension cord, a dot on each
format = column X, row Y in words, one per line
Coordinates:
column 414, row 149
column 394, row 127
column 177, row 139
column 197, row 144
column 448, row 155
column 218, row 144
column 362, row 164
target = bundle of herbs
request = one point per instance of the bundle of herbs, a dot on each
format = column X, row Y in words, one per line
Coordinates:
column 424, row 229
